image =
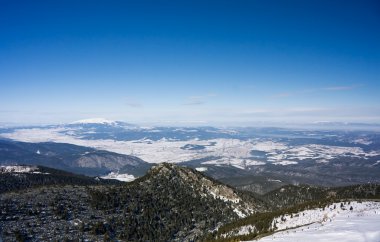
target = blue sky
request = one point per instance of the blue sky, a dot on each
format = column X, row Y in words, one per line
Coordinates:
column 190, row 62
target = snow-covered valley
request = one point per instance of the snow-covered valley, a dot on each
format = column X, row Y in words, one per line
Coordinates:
column 240, row 153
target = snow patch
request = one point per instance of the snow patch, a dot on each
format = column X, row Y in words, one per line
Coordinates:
column 254, row 163
column 20, row 169
column 268, row 146
column 201, row 169
column 239, row 213
column 120, row 177
column 286, row 162
column 362, row 141
column 243, row 230
column 221, row 197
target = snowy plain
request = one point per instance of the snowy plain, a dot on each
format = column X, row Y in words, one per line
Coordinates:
column 224, row 151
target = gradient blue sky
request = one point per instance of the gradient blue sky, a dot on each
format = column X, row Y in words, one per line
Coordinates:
column 205, row 62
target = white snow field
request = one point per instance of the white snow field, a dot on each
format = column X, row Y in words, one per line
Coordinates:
column 362, row 224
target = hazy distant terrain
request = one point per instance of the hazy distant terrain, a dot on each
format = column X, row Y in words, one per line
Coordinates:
column 255, row 159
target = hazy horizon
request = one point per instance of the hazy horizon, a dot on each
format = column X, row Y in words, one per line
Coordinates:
column 319, row 125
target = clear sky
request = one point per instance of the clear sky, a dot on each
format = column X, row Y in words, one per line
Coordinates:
column 207, row 62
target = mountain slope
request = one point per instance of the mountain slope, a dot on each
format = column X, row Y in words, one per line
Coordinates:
column 291, row 195
column 68, row 157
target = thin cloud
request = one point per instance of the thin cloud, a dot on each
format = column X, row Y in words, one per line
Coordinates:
column 194, row 103
column 275, row 112
column 316, row 90
column 134, row 105
column 195, row 100
column 212, row 95
column 199, row 100
column 130, row 102
column 282, row 95
column 340, row 88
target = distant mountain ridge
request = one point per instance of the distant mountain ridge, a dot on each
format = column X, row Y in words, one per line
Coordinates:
column 100, row 121
column 94, row 121
column 68, row 157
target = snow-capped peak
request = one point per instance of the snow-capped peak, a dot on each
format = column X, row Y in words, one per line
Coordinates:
column 94, row 121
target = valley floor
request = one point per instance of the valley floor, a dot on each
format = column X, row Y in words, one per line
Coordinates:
column 352, row 226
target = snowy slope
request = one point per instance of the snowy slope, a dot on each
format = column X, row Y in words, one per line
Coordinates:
column 362, row 223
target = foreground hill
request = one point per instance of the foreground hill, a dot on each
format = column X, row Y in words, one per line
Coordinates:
column 170, row 203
